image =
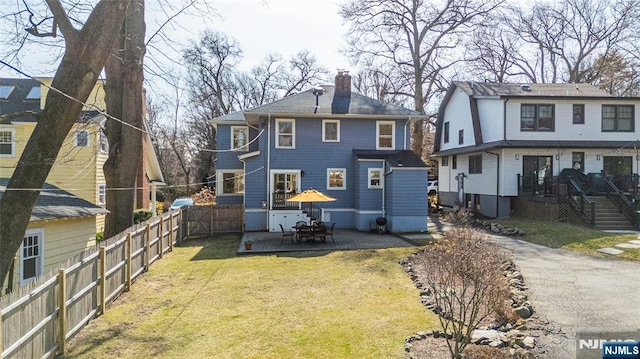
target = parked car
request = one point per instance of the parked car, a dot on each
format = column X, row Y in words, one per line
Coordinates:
column 181, row 202
column 432, row 188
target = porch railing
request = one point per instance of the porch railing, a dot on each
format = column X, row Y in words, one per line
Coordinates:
column 581, row 202
column 279, row 201
column 621, row 201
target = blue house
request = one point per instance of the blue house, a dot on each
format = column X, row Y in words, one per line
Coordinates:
column 348, row 146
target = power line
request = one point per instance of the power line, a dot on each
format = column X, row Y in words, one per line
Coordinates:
column 94, row 107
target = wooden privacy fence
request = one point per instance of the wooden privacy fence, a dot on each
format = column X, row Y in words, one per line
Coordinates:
column 39, row 318
column 210, row 219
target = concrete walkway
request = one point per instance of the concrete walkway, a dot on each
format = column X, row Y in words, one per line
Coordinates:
column 576, row 293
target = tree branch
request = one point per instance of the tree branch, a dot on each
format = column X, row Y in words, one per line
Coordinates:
column 63, row 22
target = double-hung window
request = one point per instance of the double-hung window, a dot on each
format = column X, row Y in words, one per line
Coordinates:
column 535, row 117
column 31, row 255
column 375, row 178
column 336, row 178
column 617, row 118
column 7, row 143
column 230, row 182
column 330, row 131
column 385, row 135
column 285, row 133
column 239, row 138
column 475, row 164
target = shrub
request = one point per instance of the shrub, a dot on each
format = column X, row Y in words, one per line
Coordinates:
column 99, row 237
column 141, row 215
column 463, row 274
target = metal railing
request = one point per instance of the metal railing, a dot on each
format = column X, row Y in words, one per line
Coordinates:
column 581, row 202
column 621, row 201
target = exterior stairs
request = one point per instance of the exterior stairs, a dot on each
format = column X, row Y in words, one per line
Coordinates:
column 608, row 217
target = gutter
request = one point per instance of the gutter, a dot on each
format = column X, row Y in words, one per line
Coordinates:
column 404, row 146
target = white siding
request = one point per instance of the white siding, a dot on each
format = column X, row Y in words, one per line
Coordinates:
column 458, row 114
column 565, row 130
column 491, row 119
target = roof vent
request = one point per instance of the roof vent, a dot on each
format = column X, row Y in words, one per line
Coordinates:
column 525, row 87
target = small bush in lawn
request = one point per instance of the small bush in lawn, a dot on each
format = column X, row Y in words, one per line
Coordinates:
column 462, row 271
column 460, row 217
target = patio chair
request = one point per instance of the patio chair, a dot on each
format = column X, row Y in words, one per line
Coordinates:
column 286, row 234
column 329, row 232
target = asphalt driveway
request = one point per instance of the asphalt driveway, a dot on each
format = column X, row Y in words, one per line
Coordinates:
column 576, row 293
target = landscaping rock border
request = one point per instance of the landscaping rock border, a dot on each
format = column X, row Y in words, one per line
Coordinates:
column 517, row 337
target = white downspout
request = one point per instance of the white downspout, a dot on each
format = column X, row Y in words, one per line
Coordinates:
column 404, row 146
column 268, row 174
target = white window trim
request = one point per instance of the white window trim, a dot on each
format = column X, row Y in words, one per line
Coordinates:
column 324, row 137
column 244, row 147
column 220, row 182
column 75, row 138
column 293, row 133
column 13, row 142
column 393, row 135
column 104, row 188
column 40, row 269
column 344, row 182
column 369, row 178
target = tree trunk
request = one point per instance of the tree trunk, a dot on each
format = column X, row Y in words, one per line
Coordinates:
column 84, row 58
column 124, row 101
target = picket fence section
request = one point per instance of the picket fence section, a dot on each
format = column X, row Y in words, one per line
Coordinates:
column 39, row 318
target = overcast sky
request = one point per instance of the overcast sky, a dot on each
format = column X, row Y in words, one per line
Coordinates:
column 260, row 26
column 286, row 27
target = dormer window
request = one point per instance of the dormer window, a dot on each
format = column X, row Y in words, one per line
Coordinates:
column 34, row 93
column 5, row 92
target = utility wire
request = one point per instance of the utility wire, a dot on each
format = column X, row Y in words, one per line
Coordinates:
column 2, row 62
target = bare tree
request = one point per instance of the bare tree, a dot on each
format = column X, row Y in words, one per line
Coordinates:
column 414, row 42
column 123, row 96
column 561, row 41
column 85, row 54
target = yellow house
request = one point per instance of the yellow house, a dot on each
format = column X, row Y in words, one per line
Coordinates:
column 78, row 169
column 61, row 226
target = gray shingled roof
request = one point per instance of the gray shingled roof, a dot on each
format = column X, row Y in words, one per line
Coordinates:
column 16, row 102
column 480, row 89
column 403, row 158
column 329, row 103
column 54, row 203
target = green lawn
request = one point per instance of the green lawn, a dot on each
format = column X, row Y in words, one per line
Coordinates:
column 203, row 301
column 573, row 237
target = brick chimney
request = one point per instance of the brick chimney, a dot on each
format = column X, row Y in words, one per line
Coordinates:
column 343, row 83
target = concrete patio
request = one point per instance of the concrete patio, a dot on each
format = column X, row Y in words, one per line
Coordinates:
column 345, row 239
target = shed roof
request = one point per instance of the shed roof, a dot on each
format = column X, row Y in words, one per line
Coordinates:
column 55, row 203
column 399, row 158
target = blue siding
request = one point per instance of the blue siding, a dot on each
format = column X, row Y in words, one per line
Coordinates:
column 357, row 205
column 406, row 200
